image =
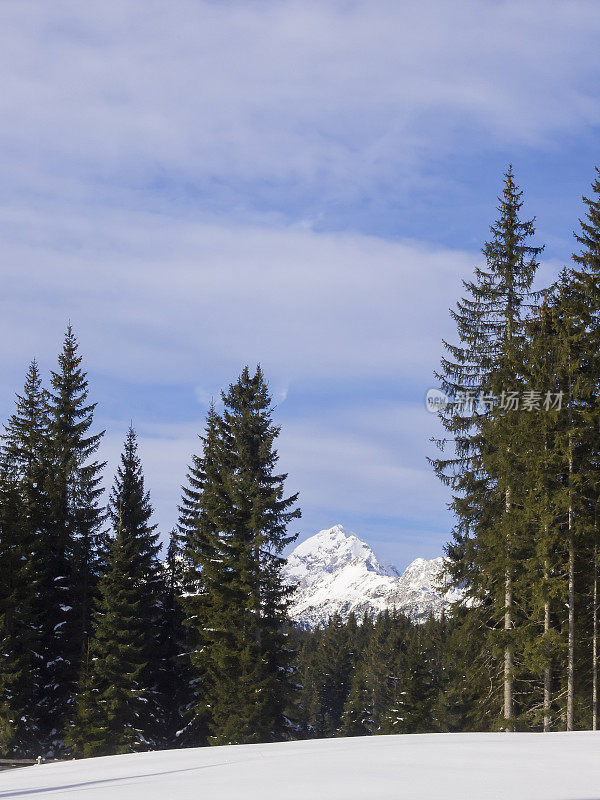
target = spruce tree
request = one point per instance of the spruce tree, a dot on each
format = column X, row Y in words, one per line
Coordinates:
column 74, row 543
column 198, row 538
column 240, row 611
column 118, row 704
column 546, row 593
column 110, row 708
column 176, row 681
column 191, row 493
column 18, row 634
column 130, row 510
column 486, row 552
column 575, row 469
column 357, row 717
column 571, row 481
column 328, row 676
column 585, row 279
column 22, row 508
column 306, row 645
column 412, row 695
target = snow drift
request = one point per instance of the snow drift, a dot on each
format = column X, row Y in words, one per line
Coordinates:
column 454, row 766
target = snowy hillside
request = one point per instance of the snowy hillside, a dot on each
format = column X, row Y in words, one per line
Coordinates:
column 337, row 572
column 453, row 766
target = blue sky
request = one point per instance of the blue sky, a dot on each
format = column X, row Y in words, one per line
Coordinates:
column 200, row 185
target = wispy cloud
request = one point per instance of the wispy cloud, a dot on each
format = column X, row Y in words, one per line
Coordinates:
column 175, row 301
column 183, row 183
column 341, row 95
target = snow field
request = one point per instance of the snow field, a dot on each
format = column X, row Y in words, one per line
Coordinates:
column 456, row 766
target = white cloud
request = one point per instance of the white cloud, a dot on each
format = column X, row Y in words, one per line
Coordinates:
column 185, row 305
column 154, row 158
column 349, row 96
column 351, row 470
column 162, row 300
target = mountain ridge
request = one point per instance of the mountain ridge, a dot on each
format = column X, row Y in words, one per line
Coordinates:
column 337, row 572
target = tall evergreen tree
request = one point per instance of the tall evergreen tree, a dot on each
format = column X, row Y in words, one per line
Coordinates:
column 571, row 469
column 18, row 635
column 22, row 506
column 541, row 483
column 357, row 716
column 199, row 538
column 581, row 336
column 74, row 545
column 486, row 553
column 241, row 610
column 187, row 553
column 118, row 704
column 175, row 678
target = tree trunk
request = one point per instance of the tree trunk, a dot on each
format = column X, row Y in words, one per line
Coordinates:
column 595, row 646
column 571, row 640
column 547, row 669
column 509, row 709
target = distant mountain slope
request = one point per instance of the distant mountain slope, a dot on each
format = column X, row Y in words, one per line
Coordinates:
column 337, row 572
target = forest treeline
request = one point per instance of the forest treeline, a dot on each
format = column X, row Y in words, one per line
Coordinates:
column 109, row 645
column 521, row 454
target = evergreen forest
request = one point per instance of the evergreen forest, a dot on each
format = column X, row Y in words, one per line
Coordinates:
column 116, row 637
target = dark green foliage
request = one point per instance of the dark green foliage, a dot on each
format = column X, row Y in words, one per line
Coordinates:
column 118, row 706
column 130, row 512
column 18, row 634
column 239, row 610
column 73, row 543
column 175, row 677
column 110, row 708
column 22, row 505
column 588, row 258
column 381, row 658
column 357, row 719
column 383, row 676
column 411, row 693
column 191, row 494
column 465, row 673
column 484, row 470
column 198, row 546
column 327, row 661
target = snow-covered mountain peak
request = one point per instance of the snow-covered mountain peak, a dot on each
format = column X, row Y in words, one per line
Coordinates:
column 423, row 573
column 330, row 550
column 337, row 572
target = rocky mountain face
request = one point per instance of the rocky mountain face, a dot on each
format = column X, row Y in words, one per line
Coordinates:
column 335, row 571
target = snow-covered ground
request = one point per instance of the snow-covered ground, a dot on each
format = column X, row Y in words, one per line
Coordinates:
column 461, row 766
